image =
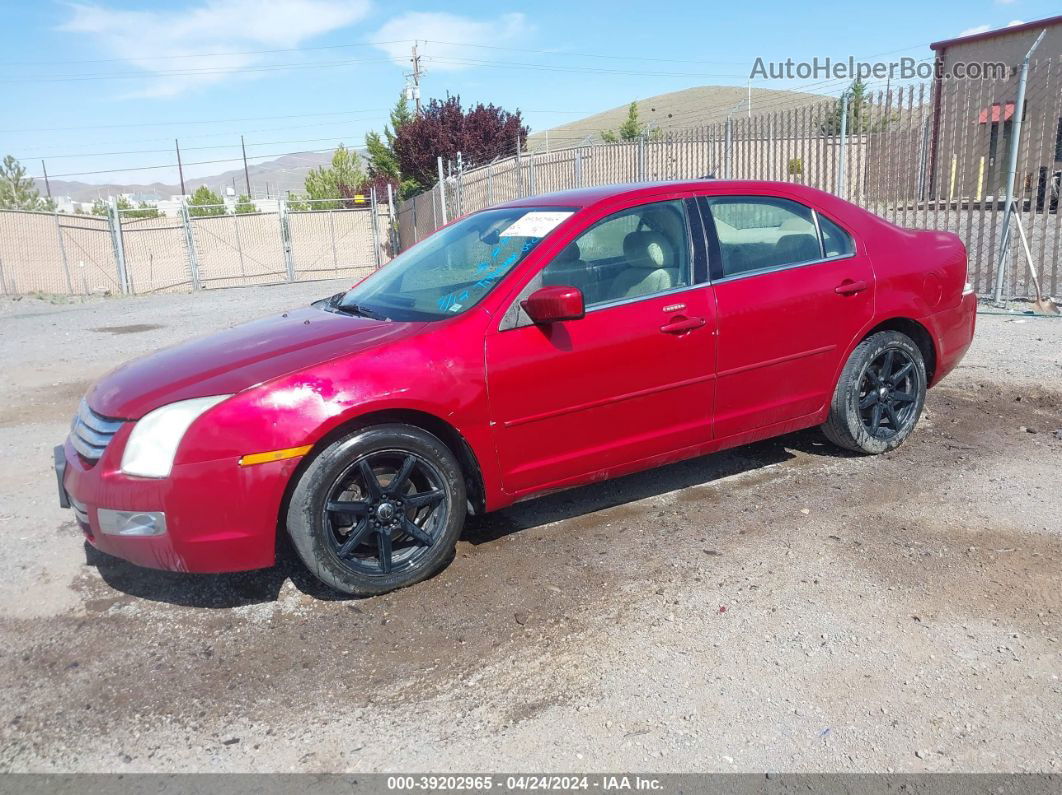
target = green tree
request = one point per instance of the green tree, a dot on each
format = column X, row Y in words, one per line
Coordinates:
column 17, row 191
column 863, row 116
column 630, row 130
column 244, row 205
column 336, row 185
column 205, row 202
column 296, row 204
column 129, row 210
column 383, row 166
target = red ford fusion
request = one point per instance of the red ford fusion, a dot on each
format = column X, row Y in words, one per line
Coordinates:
column 533, row 346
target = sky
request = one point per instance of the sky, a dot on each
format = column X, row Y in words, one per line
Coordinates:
column 100, row 90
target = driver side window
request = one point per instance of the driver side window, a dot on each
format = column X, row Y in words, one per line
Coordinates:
column 636, row 252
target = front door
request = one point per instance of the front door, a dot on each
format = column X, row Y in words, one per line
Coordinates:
column 792, row 291
column 629, row 381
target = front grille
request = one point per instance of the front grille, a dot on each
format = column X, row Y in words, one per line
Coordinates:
column 90, row 434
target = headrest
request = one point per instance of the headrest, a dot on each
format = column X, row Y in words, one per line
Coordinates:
column 662, row 218
column 570, row 253
column 649, row 250
column 796, row 224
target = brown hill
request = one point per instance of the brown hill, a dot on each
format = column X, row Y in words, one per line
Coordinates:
column 677, row 110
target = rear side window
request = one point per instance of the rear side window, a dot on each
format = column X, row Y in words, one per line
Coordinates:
column 758, row 233
column 835, row 241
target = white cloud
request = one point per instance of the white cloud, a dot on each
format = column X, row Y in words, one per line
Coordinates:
column 1015, row 22
column 214, row 26
column 442, row 36
column 975, row 30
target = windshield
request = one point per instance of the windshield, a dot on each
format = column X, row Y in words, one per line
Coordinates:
column 453, row 269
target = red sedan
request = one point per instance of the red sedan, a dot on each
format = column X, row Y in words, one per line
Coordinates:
column 537, row 345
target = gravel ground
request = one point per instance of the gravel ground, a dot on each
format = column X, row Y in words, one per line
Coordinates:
column 782, row 606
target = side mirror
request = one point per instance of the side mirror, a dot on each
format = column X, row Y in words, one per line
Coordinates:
column 550, row 304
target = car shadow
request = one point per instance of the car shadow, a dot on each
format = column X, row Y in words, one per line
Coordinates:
column 264, row 585
column 211, row 590
column 701, row 471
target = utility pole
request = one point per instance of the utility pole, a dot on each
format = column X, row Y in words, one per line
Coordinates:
column 47, row 185
column 1012, row 168
column 246, row 175
column 180, row 168
column 415, row 78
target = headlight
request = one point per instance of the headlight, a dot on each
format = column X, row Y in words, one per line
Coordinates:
column 153, row 443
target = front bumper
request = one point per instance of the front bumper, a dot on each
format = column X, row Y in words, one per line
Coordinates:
column 219, row 516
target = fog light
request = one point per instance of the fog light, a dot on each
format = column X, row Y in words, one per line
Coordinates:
column 131, row 523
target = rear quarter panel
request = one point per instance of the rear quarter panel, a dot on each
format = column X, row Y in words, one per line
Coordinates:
column 919, row 272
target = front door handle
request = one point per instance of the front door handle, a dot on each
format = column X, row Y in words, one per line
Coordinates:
column 682, row 324
column 849, row 287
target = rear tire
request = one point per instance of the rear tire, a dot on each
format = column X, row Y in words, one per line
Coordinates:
column 378, row 510
column 879, row 396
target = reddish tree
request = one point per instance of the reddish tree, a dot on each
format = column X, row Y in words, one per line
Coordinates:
column 444, row 128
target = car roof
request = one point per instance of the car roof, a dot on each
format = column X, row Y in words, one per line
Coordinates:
column 585, row 197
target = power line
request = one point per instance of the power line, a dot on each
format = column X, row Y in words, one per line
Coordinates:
column 205, row 121
column 207, row 54
column 560, row 68
column 198, row 72
column 195, row 163
column 187, row 149
column 585, row 54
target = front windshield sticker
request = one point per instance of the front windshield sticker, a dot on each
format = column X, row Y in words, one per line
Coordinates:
column 535, row 224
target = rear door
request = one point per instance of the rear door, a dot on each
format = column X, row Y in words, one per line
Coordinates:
column 629, row 381
column 792, row 290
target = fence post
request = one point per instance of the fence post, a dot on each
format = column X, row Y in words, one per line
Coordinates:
column 840, row 188
column 728, row 147
column 1012, row 168
column 578, row 163
column 490, row 185
column 3, row 281
column 392, row 220
column 189, row 242
column 459, row 202
column 442, row 189
column 375, row 230
column 115, row 219
column 641, row 158
column 239, row 243
column 285, row 238
column 62, row 252
column 531, row 175
column 519, row 171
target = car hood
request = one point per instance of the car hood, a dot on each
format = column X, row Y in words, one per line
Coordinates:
column 241, row 357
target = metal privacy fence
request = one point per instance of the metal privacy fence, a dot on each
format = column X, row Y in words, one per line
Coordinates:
column 927, row 155
column 62, row 254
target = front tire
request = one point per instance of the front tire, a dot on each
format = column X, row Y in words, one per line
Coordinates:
column 879, row 396
column 378, row 510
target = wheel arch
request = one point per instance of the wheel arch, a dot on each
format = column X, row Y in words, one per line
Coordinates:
column 440, row 428
column 918, row 333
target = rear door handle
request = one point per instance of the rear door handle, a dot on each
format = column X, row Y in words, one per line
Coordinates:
column 849, row 287
column 683, row 324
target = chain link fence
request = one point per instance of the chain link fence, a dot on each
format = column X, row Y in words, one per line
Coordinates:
column 199, row 248
column 929, row 155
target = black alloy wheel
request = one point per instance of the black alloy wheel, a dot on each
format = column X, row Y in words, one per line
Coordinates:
column 386, row 511
column 888, row 394
column 379, row 509
column 879, row 396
